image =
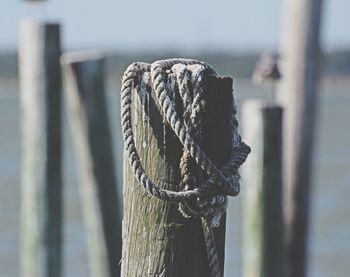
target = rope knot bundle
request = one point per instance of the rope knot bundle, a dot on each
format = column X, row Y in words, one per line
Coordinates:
column 203, row 193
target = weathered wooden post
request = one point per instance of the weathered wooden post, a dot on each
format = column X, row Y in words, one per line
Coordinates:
column 298, row 96
column 40, row 97
column 157, row 239
column 263, row 246
column 88, row 117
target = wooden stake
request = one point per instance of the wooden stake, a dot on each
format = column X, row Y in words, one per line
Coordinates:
column 262, row 204
column 298, row 95
column 157, row 239
column 40, row 97
column 85, row 95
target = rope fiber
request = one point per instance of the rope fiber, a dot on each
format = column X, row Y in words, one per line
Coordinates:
column 197, row 197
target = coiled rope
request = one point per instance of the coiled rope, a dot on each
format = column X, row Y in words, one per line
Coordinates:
column 206, row 199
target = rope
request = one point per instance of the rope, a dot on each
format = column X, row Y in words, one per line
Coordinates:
column 209, row 199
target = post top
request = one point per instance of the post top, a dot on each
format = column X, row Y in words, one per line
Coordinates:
column 82, row 56
column 260, row 104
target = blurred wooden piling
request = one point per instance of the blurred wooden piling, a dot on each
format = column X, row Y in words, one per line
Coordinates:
column 298, row 95
column 262, row 201
column 84, row 74
column 41, row 180
column 157, row 239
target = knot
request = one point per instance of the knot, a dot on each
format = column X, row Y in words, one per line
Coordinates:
column 211, row 208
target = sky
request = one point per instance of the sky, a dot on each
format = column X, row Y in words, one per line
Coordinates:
column 160, row 25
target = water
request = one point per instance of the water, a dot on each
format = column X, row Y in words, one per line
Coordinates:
column 330, row 228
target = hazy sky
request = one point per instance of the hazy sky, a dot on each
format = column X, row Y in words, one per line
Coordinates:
column 234, row 25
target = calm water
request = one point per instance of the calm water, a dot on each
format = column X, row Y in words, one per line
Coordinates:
column 330, row 229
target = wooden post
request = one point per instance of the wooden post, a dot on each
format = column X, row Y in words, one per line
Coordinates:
column 298, row 95
column 40, row 97
column 85, row 95
column 157, row 239
column 262, row 204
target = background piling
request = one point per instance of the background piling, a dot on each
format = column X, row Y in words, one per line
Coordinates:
column 41, row 180
column 298, row 95
column 263, row 246
column 86, row 98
